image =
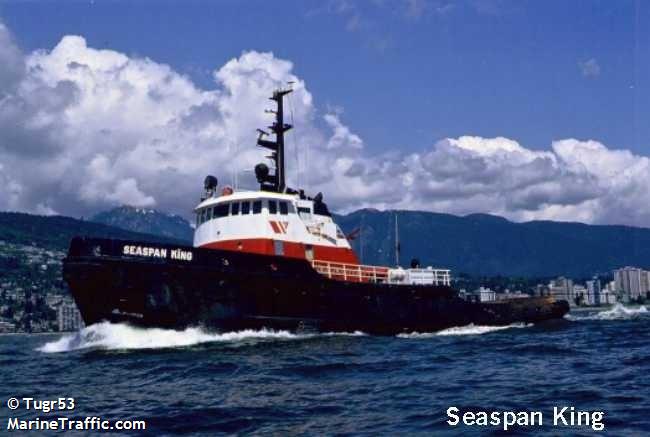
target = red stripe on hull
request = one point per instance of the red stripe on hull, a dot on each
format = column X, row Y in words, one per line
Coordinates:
column 335, row 254
column 291, row 249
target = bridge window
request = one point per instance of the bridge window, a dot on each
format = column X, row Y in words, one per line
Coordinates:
column 245, row 207
column 208, row 215
column 234, row 208
column 221, row 210
column 273, row 207
column 304, row 213
column 257, row 207
column 284, row 208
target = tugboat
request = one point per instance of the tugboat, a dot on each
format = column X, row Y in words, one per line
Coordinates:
column 272, row 258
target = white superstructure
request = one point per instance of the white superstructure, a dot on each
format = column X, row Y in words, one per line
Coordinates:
column 272, row 223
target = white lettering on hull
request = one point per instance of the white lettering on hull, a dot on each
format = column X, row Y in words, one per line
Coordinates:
column 182, row 255
column 157, row 252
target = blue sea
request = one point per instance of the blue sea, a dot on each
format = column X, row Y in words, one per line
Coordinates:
column 264, row 382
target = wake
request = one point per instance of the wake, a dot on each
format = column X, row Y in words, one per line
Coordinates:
column 110, row 336
column 470, row 329
column 618, row 312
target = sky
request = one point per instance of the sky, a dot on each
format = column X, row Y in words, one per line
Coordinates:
column 525, row 109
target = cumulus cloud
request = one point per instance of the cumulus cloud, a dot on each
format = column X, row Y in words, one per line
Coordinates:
column 83, row 129
column 573, row 181
column 342, row 137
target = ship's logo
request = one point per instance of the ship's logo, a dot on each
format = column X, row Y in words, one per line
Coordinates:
column 279, row 227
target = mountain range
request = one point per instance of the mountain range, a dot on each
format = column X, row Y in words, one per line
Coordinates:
column 487, row 245
column 477, row 244
column 55, row 232
column 149, row 221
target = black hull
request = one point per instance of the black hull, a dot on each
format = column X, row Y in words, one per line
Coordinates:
column 225, row 290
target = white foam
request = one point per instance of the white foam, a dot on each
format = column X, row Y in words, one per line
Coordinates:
column 119, row 336
column 470, row 329
column 618, row 312
column 344, row 334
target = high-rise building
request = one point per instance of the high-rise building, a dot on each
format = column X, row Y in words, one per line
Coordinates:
column 579, row 295
column 645, row 283
column 594, row 290
column 69, row 317
column 607, row 297
column 632, row 283
column 561, row 288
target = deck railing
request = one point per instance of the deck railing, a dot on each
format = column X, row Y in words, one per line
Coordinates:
column 351, row 272
column 364, row 273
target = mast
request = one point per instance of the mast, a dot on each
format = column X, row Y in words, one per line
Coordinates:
column 361, row 240
column 397, row 248
column 277, row 181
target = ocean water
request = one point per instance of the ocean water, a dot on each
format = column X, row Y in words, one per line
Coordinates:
column 264, row 382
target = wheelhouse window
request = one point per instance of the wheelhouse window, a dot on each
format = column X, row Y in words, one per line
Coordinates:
column 221, row 210
column 208, row 214
column 234, row 208
column 284, row 208
column 273, row 207
column 245, row 207
column 304, row 213
column 257, row 207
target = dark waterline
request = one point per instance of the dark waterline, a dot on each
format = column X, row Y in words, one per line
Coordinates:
column 259, row 382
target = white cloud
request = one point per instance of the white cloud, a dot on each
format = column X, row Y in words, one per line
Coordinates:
column 342, row 137
column 83, row 129
column 574, row 181
column 589, row 68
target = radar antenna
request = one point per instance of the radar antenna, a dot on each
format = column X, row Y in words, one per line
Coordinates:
column 274, row 182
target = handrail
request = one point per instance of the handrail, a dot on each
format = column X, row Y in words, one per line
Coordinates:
column 351, row 272
column 367, row 273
